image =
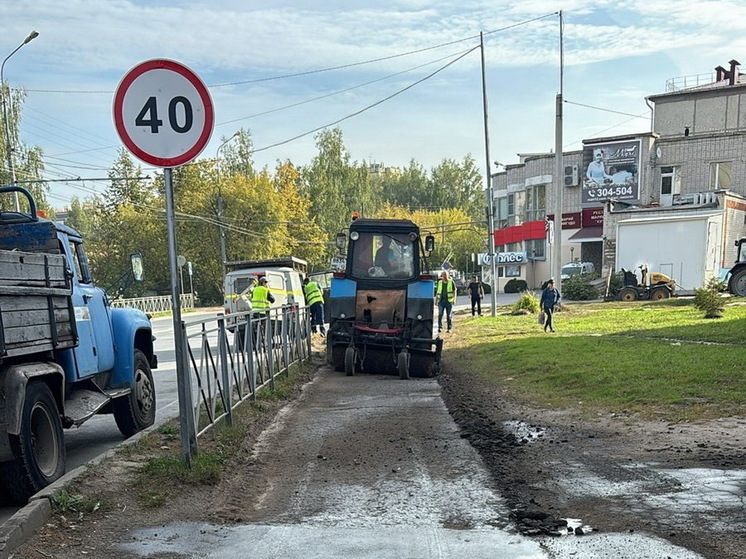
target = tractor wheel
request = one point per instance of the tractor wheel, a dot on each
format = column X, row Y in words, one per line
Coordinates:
column 38, row 450
column 627, row 294
column 350, row 361
column 660, row 293
column 738, row 283
column 402, row 364
column 335, row 356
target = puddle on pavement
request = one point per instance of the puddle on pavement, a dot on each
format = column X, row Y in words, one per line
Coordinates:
column 666, row 495
column 575, row 526
column 524, row 432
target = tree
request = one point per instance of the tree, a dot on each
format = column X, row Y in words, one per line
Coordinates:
column 458, row 185
column 409, row 187
column 28, row 163
column 238, row 158
column 335, row 186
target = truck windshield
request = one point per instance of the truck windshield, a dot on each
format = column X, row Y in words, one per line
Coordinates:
column 383, row 255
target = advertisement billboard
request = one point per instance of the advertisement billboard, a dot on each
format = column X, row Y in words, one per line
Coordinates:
column 611, row 170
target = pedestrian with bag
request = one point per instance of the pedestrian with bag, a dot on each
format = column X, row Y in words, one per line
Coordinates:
column 476, row 293
column 549, row 298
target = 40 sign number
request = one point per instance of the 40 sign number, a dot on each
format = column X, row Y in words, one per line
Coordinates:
column 163, row 113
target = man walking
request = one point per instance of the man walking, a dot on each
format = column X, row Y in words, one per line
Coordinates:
column 445, row 296
column 476, row 292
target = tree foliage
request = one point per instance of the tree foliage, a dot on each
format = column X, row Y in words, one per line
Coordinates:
column 28, row 162
column 285, row 211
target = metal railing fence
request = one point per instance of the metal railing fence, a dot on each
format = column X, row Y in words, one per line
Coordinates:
column 232, row 358
column 157, row 304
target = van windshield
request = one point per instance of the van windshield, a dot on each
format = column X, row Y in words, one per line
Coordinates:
column 383, row 255
column 570, row 270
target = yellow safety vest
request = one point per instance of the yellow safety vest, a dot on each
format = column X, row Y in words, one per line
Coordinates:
column 312, row 293
column 259, row 300
column 450, row 293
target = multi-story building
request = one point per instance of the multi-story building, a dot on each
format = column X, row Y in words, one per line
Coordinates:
column 673, row 198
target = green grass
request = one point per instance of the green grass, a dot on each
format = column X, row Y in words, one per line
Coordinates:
column 660, row 359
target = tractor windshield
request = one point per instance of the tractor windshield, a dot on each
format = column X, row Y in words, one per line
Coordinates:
column 383, row 255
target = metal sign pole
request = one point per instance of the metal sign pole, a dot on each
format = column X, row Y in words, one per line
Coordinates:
column 186, row 414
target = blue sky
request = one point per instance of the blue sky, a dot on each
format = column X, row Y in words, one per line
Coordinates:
column 615, row 53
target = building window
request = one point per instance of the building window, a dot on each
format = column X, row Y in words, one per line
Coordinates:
column 536, row 249
column 721, row 175
column 670, row 181
column 502, row 213
column 536, row 202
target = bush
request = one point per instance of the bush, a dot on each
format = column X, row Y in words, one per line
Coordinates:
column 528, row 303
column 579, row 288
column 707, row 298
column 516, row 286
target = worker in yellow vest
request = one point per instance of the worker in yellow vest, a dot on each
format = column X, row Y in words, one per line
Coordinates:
column 445, row 296
column 315, row 301
column 261, row 298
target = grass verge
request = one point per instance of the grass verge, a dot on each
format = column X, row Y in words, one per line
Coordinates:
column 657, row 359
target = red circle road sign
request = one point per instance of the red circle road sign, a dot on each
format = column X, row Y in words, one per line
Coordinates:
column 163, row 113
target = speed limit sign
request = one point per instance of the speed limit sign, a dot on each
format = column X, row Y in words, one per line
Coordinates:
column 163, row 113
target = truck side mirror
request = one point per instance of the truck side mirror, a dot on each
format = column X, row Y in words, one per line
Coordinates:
column 340, row 240
column 137, row 268
column 429, row 244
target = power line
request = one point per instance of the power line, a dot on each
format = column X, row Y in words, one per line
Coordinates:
column 356, row 113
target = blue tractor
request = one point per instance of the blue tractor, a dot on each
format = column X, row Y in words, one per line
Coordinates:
column 381, row 301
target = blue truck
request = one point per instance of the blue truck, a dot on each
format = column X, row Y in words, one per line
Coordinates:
column 381, row 301
column 65, row 354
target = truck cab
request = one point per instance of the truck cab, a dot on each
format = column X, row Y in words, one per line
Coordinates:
column 73, row 355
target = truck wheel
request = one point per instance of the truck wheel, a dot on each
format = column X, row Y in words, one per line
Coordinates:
column 39, row 449
column 136, row 411
column 660, row 293
column 738, row 283
column 627, row 294
column 350, row 358
column 402, row 364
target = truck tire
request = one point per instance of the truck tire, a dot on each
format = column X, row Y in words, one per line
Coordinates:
column 136, row 411
column 39, row 449
column 738, row 283
column 627, row 294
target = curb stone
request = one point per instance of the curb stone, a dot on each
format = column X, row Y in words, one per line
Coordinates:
column 20, row 527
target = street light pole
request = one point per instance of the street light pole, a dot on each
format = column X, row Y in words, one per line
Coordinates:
column 223, row 256
column 8, row 148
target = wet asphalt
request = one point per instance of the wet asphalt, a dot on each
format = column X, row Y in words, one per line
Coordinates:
column 374, row 467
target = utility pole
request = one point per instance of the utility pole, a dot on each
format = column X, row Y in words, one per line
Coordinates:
column 556, row 267
column 9, row 147
column 221, row 224
column 489, row 188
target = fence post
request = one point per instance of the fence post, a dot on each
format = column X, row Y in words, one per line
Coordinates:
column 226, row 378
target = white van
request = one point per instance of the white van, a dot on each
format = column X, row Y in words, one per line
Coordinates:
column 284, row 280
column 576, row 268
